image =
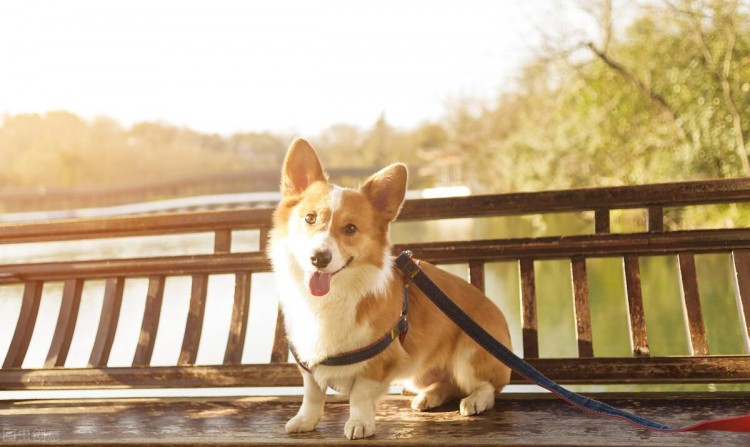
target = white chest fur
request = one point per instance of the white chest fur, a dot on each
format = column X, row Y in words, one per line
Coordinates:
column 320, row 327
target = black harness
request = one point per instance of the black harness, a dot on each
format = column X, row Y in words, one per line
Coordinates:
column 360, row 355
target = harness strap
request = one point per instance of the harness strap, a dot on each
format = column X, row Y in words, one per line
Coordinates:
column 412, row 271
column 398, row 330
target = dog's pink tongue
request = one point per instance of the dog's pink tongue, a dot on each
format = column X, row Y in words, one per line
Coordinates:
column 320, row 283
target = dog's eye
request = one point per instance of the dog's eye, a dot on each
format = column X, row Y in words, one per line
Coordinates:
column 310, row 218
column 350, row 229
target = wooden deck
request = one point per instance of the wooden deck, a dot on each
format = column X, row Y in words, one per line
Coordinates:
column 518, row 419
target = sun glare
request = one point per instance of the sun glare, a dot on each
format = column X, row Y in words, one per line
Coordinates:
column 230, row 66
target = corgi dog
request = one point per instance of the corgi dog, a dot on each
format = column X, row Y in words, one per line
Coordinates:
column 340, row 292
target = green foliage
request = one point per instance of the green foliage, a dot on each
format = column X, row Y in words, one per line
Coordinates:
column 59, row 149
column 649, row 108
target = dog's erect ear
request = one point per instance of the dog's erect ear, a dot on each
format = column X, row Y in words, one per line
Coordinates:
column 386, row 190
column 301, row 168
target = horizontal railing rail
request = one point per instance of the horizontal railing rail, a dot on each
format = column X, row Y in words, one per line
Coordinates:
column 590, row 199
column 584, row 199
column 571, row 371
column 449, row 252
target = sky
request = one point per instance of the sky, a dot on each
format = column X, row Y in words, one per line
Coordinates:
column 282, row 66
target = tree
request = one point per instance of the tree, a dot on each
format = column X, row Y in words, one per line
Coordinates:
column 688, row 59
column 663, row 98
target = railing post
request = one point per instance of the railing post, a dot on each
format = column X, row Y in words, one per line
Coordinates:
column 150, row 323
column 66, row 323
column 476, row 274
column 280, row 351
column 223, row 241
column 195, row 320
column 528, row 309
column 19, row 345
column 110, row 315
column 601, row 221
column 636, row 315
column 240, row 314
column 582, row 307
column 655, row 219
column 741, row 261
column 691, row 305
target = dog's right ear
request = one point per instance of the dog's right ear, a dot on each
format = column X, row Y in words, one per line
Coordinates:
column 302, row 168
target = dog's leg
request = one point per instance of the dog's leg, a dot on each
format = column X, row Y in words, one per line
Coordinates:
column 481, row 399
column 435, row 395
column 362, row 402
column 311, row 409
column 480, row 392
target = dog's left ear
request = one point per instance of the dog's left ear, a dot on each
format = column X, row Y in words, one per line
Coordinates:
column 301, row 168
column 386, row 190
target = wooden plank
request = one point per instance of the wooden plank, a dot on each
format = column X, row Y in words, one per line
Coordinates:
column 588, row 246
column 741, row 261
column 585, row 199
column 691, row 305
column 655, row 219
column 194, row 326
column 150, row 323
column 601, row 221
column 582, row 307
column 627, row 370
column 110, row 316
column 240, row 316
column 19, row 345
column 518, row 419
column 136, row 267
column 476, row 274
column 636, row 315
column 177, row 223
column 556, row 247
column 223, row 241
column 66, row 323
column 280, row 351
column 528, row 309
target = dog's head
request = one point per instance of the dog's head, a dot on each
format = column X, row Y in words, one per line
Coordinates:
column 335, row 237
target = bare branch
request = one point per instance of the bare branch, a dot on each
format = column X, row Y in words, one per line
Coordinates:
column 642, row 86
column 606, row 24
column 727, row 90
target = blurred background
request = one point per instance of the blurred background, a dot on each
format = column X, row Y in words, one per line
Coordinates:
column 116, row 107
column 149, row 100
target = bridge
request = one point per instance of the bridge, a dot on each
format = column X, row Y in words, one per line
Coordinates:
column 222, row 186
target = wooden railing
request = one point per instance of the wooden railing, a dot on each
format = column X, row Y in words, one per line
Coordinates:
column 641, row 367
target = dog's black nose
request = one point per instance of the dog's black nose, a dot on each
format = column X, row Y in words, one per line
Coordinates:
column 321, row 258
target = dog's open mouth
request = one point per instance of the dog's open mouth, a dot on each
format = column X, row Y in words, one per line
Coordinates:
column 320, row 282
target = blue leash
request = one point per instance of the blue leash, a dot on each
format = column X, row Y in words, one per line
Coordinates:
column 413, row 272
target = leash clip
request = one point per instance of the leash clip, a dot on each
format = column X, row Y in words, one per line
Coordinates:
column 408, row 266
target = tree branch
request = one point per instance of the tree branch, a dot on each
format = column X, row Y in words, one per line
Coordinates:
column 645, row 89
column 727, row 89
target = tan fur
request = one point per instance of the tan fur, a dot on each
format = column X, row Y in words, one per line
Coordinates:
column 365, row 301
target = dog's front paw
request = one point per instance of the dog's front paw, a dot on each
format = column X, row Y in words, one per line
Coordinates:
column 358, row 429
column 300, row 424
